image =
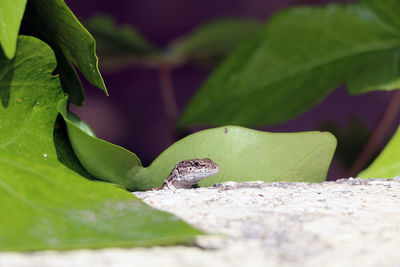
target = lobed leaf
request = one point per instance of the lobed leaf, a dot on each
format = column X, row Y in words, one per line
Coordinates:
column 58, row 209
column 46, row 201
column 58, row 26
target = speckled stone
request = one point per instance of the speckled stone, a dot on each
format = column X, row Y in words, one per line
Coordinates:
column 349, row 222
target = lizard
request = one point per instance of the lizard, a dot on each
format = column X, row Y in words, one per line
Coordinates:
column 189, row 172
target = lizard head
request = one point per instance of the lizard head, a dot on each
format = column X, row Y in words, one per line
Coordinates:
column 201, row 167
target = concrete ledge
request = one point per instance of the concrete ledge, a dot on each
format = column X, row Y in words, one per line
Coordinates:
column 350, row 222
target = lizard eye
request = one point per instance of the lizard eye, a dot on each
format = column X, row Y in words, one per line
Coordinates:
column 196, row 163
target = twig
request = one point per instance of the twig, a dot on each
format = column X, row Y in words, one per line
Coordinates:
column 377, row 136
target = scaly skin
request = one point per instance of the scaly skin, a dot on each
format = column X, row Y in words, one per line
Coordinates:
column 189, row 172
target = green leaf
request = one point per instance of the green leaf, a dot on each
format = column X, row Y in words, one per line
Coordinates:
column 214, row 40
column 113, row 39
column 11, row 13
column 58, row 209
column 387, row 164
column 247, row 155
column 242, row 154
column 299, row 58
column 45, row 202
column 104, row 160
column 70, row 82
column 59, row 27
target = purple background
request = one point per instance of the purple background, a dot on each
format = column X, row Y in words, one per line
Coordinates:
column 133, row 115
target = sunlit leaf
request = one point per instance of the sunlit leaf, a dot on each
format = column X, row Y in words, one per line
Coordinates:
column 11, row 13
column 242, row 154
column 59, row 27
column 387, row 164
column 46, row 201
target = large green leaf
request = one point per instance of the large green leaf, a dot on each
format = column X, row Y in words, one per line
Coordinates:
column 49, row 207
column 387, row 164
column 45, row 202
column 58, row 26
column 214, row 40
column 242, row 154
column 300, row 57
column 11, row 13
column 247, row 155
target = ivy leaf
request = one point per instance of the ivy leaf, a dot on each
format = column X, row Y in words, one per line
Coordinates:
column 46, row 203
column 214, row 40
column 54, row 22
column 11, row 13
column 301, row 55
column 387, row 164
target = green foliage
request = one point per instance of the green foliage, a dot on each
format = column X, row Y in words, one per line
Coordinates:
column 242, row 154
column 209, row 43
column 54, row 22
column 58, row 209
column 49, row 163
column 387, row 164
column 10, row 17
column 28, row 92
column 301, row 56
column 46, row 203
column 247, row 155
column 214, row 40
column 113, row 39
column 69, row 79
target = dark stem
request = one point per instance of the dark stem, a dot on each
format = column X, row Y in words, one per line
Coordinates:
column 377, row 136
column 168, row 96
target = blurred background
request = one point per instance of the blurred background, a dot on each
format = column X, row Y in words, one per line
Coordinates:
column 133, row 116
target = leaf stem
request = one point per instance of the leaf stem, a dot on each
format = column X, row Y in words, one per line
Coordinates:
column 377, row 136
column 168, row 96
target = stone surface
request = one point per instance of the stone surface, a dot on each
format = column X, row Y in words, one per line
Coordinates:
column 350, row 222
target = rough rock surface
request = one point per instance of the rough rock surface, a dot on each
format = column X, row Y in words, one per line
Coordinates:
column 350, row 222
